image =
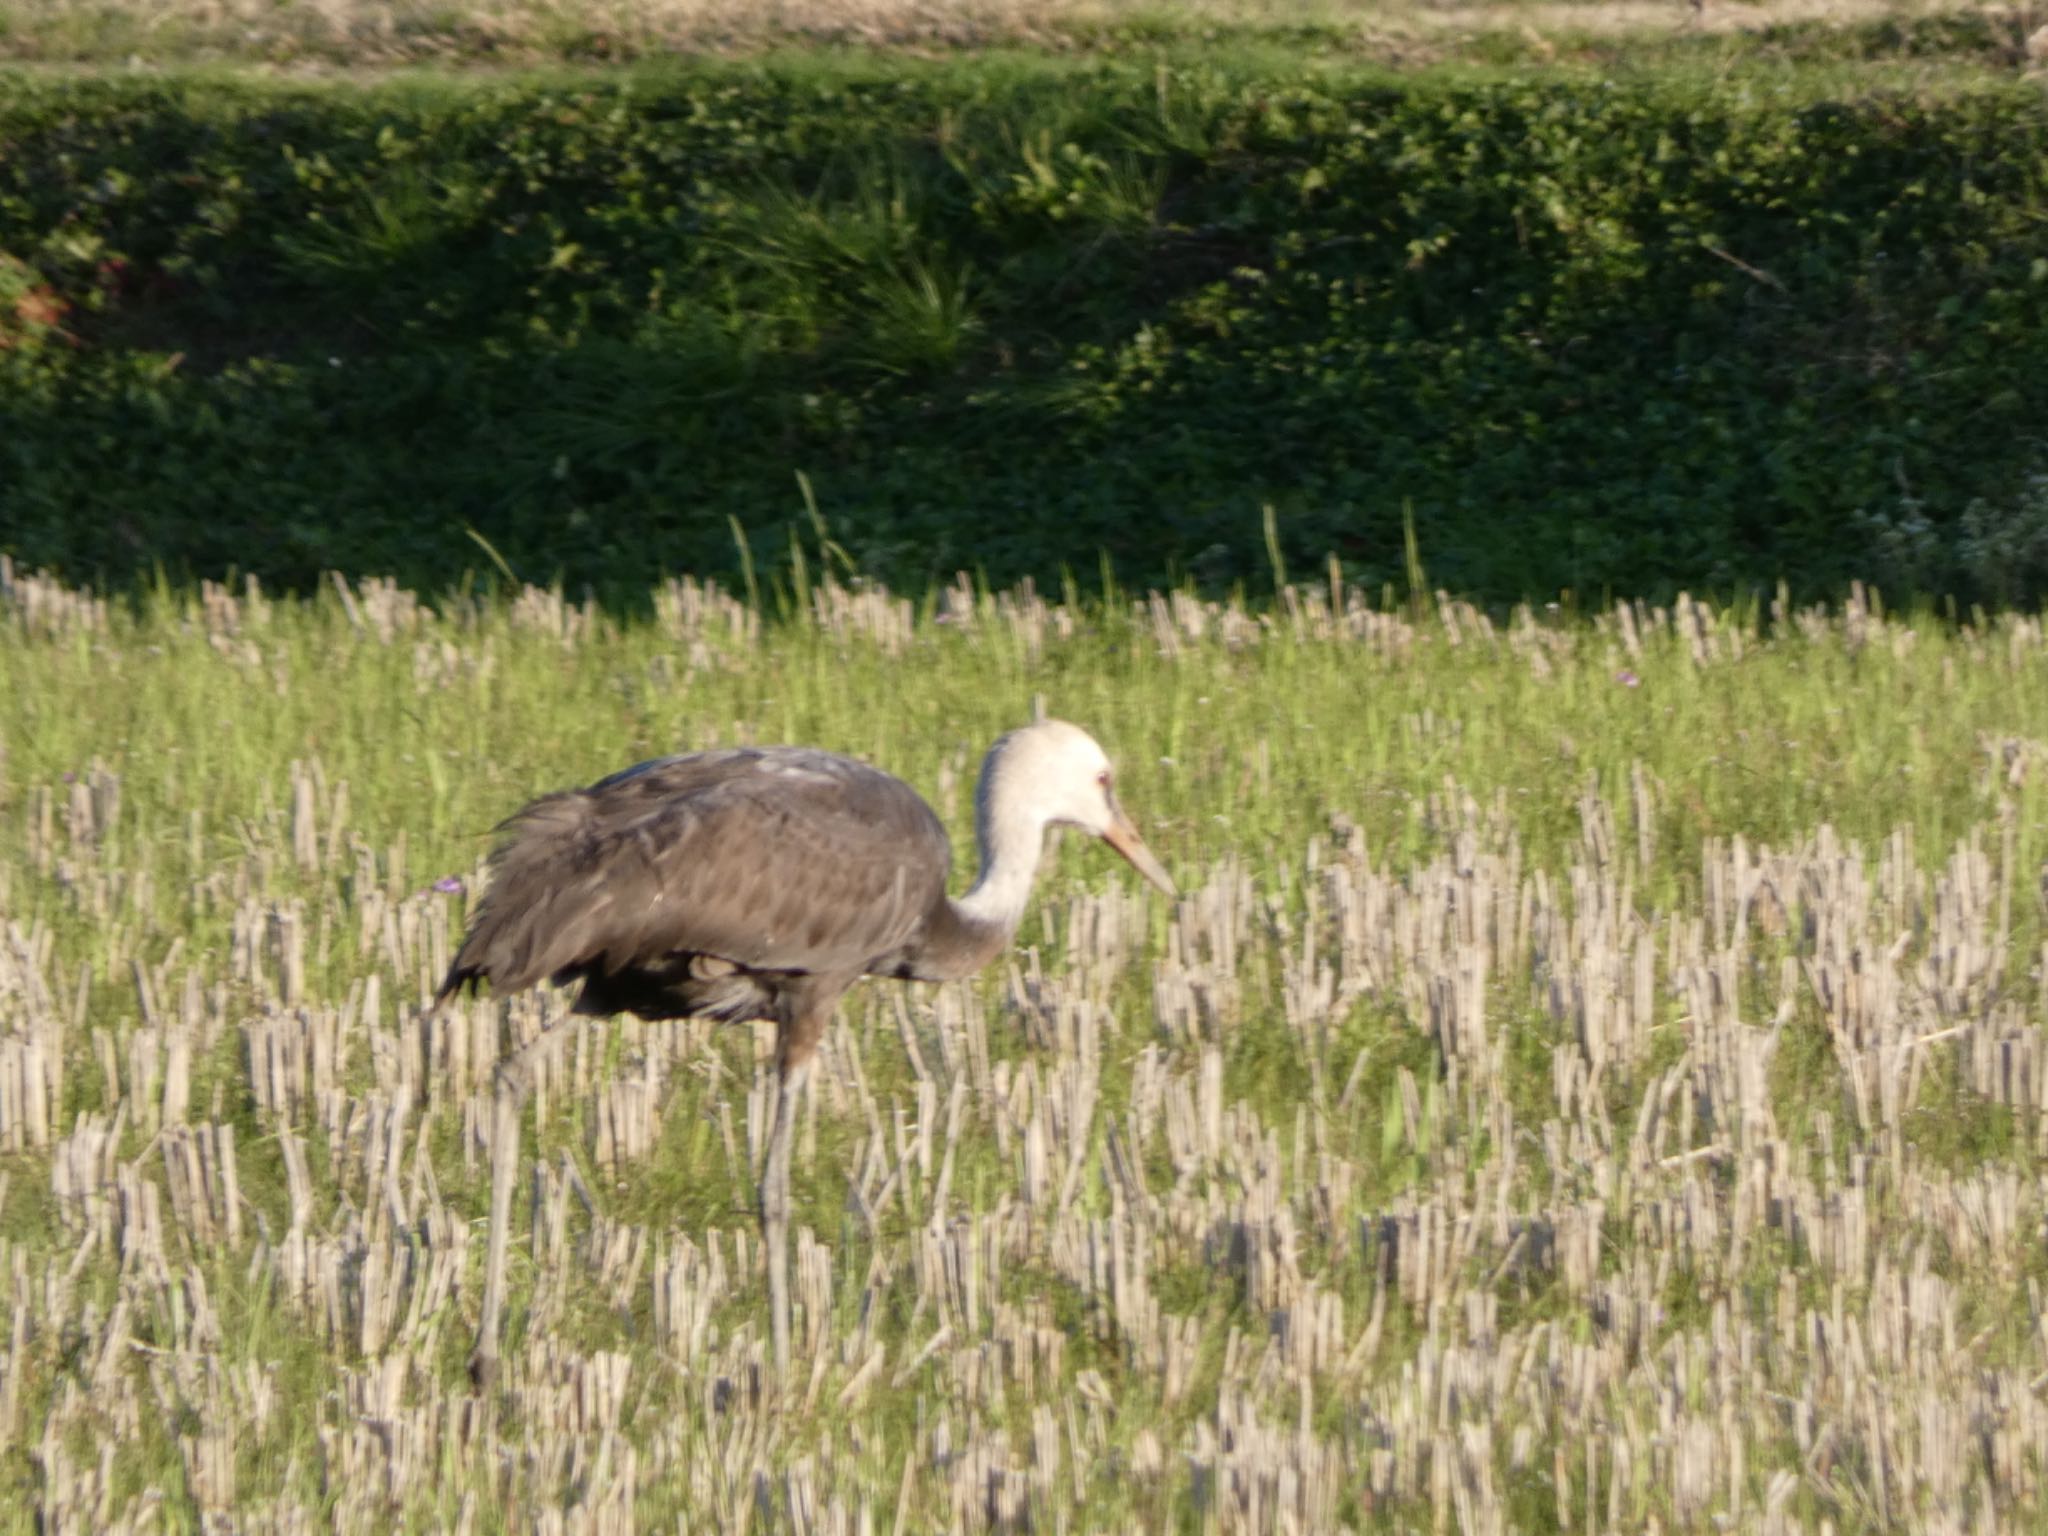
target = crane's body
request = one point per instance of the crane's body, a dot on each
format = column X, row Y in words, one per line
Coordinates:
column 760, row 883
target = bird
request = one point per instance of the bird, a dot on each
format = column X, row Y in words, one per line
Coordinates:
column 759, row 883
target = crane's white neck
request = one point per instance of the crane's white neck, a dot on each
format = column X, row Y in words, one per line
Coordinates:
column 1045, row 773
column 1012, row 838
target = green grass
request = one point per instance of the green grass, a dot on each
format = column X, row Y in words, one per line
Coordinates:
column 1244, row 750
column 1467, row 762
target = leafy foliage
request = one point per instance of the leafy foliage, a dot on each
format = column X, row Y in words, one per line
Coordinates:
column 1594, row 335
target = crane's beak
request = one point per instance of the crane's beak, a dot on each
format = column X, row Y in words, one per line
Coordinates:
column 1123, row 837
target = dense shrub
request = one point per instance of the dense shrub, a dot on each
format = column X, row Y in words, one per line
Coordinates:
column 1596, row 335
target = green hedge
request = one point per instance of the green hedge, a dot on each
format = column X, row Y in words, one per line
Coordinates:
column 1597, row 335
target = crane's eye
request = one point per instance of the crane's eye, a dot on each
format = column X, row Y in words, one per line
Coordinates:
column 1102, row 778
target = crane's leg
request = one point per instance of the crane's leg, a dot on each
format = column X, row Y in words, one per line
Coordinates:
column 512, row 1080
column 792, row 1065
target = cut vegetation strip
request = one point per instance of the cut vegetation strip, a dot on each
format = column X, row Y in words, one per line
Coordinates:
column 369, row 34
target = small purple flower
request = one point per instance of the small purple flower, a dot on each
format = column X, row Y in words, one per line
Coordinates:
column 449, row 885
column 70, row 777
column 1627, row 679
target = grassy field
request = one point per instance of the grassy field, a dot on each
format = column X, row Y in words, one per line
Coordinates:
column 1593, row 1079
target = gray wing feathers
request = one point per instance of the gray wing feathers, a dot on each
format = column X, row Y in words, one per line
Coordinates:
column 774, row 859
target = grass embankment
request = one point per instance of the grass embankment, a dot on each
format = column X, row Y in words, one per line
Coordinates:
column 1619, row 333
column 1594, row 1075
